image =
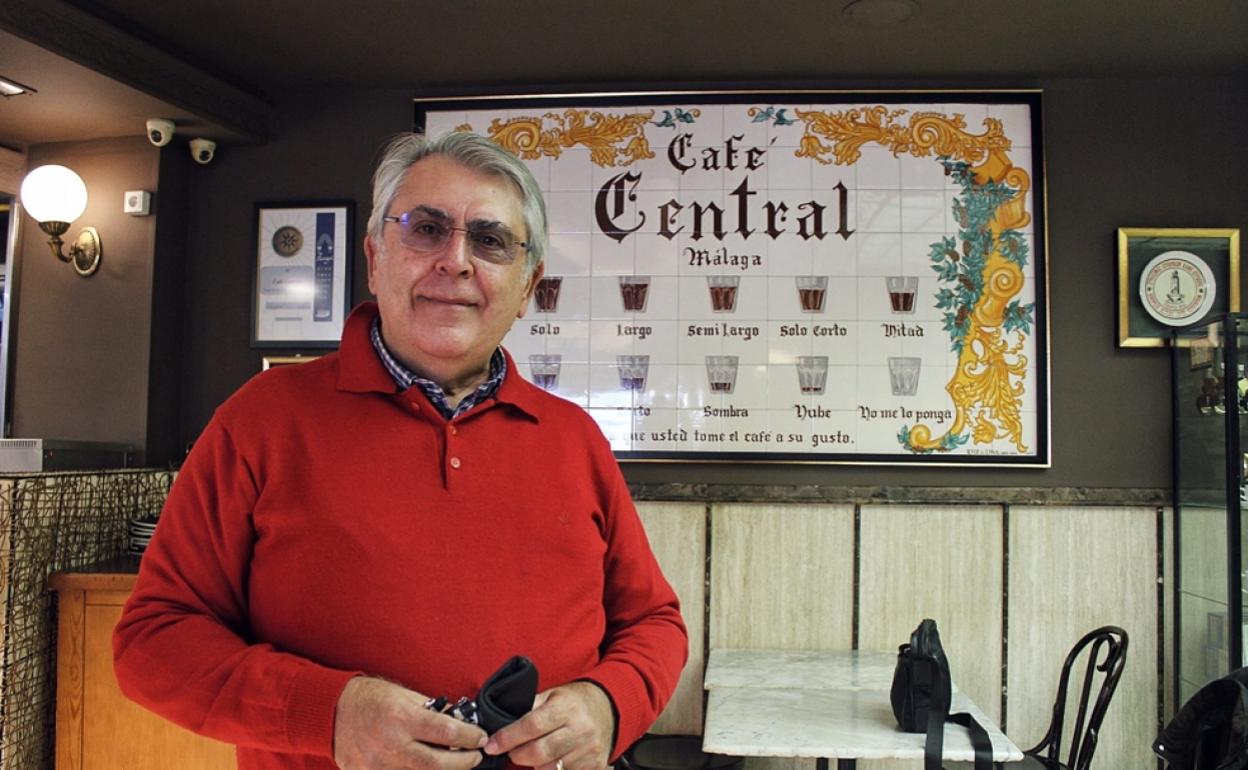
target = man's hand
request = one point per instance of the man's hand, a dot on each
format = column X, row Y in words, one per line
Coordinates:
column 572, row 724
column 379, row 726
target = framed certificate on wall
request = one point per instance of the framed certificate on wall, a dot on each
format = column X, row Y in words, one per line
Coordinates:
column 301, row 283
column 795, row 277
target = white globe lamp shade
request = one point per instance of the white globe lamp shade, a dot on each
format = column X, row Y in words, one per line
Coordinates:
column 54, row 194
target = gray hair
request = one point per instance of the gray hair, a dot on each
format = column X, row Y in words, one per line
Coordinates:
column 472, row 151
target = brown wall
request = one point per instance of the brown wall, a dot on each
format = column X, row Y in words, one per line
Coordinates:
column 327, row 143
column 1120, row 153
column 169, row 292
column 82, row 350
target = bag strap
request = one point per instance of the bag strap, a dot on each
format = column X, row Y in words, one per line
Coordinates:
column 934, row 748
column 979, row 739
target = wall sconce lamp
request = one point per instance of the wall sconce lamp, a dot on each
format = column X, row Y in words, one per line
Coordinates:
column 55, row 196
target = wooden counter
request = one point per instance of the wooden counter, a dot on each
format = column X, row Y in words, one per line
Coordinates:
column 98, row 728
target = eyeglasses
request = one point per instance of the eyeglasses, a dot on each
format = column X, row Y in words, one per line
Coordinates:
column 489, row 242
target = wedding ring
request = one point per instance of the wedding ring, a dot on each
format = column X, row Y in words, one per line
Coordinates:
column 558, row 764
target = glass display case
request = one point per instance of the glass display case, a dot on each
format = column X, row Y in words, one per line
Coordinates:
column 1210, row 409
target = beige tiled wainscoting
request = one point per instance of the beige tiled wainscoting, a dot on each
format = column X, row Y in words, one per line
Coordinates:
column 1012, row 586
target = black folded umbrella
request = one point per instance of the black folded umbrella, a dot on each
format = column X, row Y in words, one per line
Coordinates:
column 505, row 697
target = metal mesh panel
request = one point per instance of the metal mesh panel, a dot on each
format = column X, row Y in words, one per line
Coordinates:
column 52, row 523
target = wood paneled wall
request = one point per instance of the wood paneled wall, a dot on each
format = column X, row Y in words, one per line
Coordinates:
column 1012, row 587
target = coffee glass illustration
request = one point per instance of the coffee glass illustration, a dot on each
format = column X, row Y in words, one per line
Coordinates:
column 723, row 292
column 544, row 368
column 901, row 292
column 546, row 295
column 811, row 289
column 721, row 372
column 633, row 292
column 633, row 371
column 812, row 374
column 903, row 374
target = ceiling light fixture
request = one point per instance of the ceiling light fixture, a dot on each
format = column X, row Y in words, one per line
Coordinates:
column 10, row 87
column 879, row 13
column 55, row 196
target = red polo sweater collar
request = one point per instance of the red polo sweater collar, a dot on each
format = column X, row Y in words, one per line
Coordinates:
column 361, row 371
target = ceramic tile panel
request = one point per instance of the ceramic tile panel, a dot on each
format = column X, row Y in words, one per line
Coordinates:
column 786, row 171
column 879, row 168
column 879, row 254
column 1071, row 570
column 879, row 211
column 781, row 576
column 568, row 253
column 565, row 213
column 742, row 222
column 573, row 172
column 559, row 297
column 677, row 533
column 1015, row 122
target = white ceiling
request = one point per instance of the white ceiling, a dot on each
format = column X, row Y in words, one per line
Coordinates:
column 73, row 102
column 264, row 47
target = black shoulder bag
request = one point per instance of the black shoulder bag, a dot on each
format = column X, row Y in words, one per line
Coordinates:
column 921, row 693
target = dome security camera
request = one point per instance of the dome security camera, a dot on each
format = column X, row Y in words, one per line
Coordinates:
column 160, row 131
column 203, row 150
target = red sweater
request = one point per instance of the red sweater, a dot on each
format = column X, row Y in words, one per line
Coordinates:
column 324, row 525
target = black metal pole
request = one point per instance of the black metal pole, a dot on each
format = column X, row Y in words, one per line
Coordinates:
column 1174, row 503
column 1234, row 478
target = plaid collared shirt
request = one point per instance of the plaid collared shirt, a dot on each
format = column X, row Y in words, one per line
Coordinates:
column 404, row 378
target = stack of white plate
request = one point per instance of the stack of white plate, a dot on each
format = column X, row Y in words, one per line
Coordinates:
column 141, row 531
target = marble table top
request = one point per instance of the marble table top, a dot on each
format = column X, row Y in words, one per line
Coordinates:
column 824, row 704
column 834, row 724
column 807, row 669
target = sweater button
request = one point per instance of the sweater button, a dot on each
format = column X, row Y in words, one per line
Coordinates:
column 455, row 463
column 454, row 430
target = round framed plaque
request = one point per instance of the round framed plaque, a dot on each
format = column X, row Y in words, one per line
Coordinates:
column 287, row 241
column 1177, row 288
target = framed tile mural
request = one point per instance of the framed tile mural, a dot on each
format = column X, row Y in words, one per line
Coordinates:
column 794, row 277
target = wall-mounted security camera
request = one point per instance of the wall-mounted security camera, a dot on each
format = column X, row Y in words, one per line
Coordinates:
column 203, row 150
column 159, row 131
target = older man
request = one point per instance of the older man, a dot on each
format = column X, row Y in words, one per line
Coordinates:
column 391, row 522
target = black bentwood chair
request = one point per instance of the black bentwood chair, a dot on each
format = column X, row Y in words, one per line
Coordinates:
column 1106, row 654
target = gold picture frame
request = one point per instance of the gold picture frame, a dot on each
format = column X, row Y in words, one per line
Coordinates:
column 268, row 362
column 1216, row 247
